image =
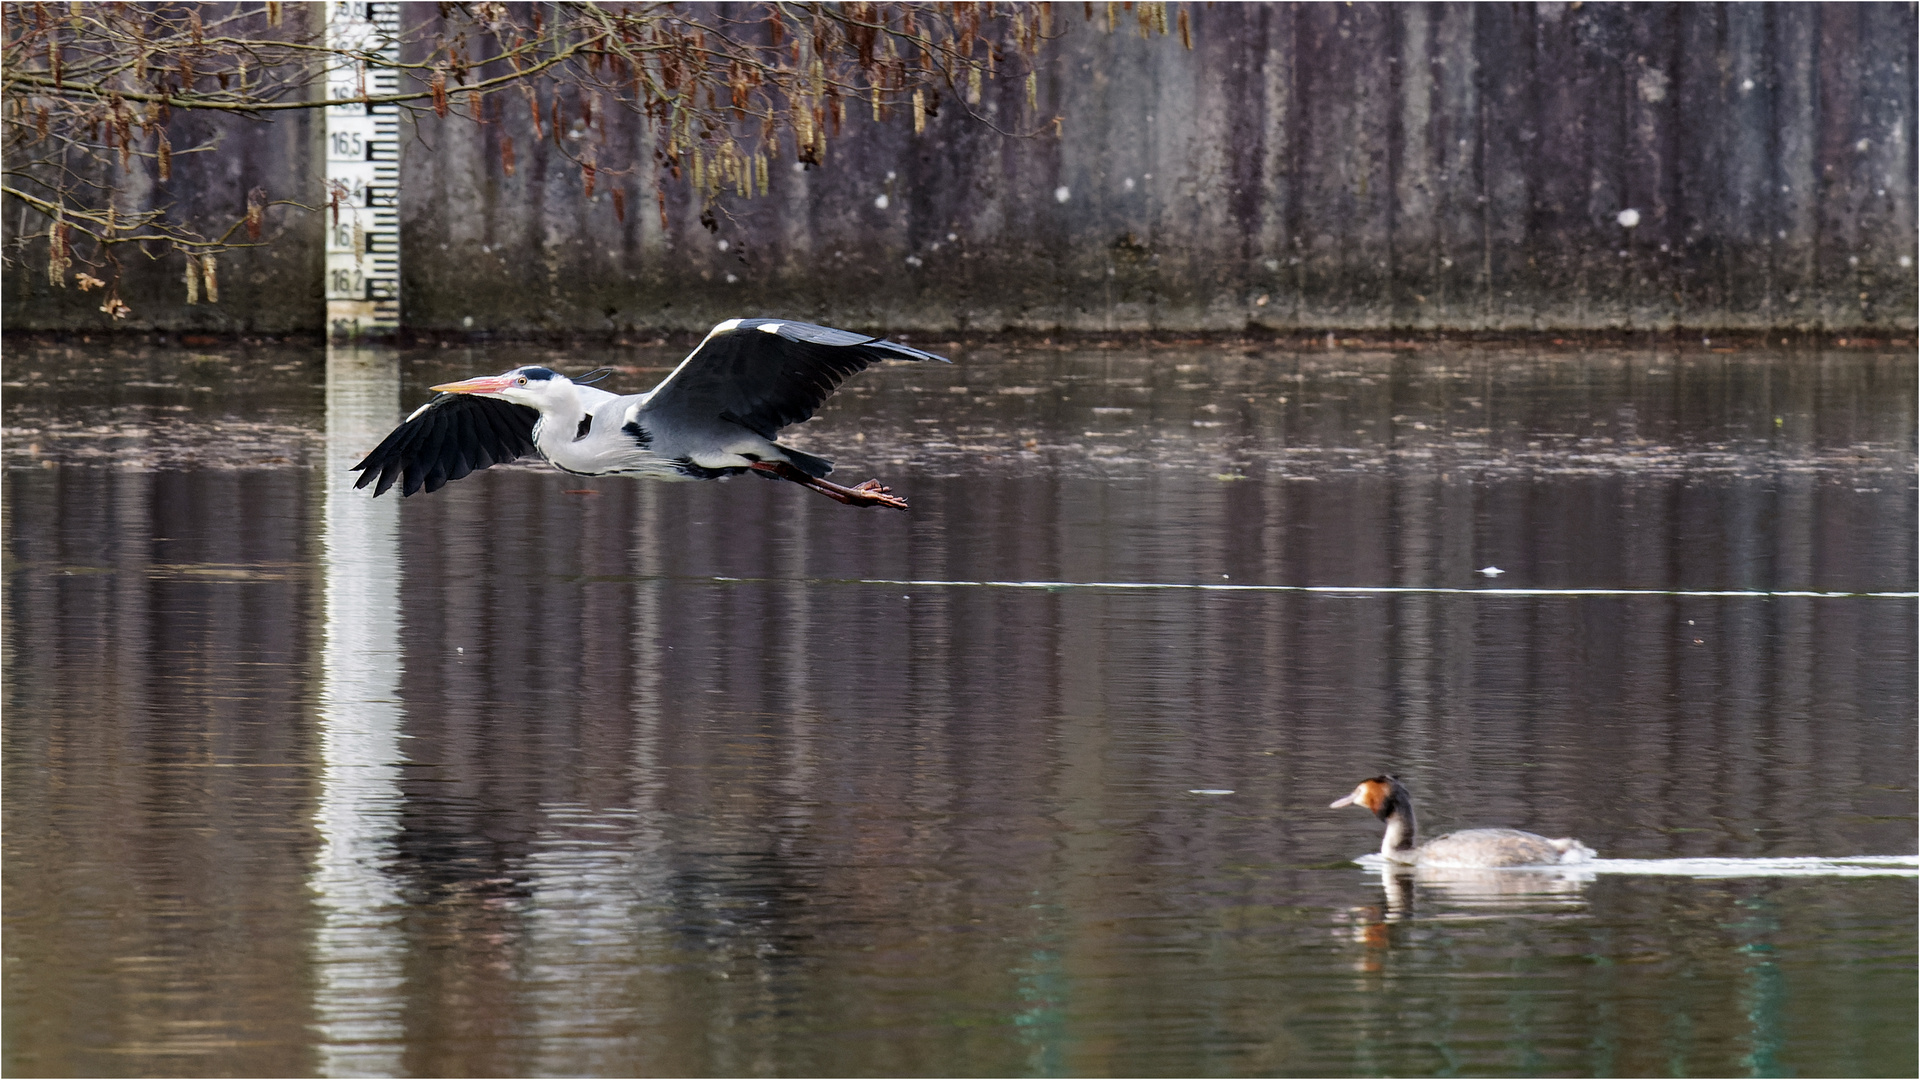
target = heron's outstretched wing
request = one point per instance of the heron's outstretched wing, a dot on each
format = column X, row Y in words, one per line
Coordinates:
column 446, row 439
column 764, row 374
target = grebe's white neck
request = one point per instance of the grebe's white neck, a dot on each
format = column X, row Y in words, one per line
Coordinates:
column 1398, row 843
column 1402, row 830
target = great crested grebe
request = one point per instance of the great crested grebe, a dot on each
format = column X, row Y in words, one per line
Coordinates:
column 1387, row 797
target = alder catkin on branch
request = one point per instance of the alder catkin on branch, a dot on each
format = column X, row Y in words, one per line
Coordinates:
column 57, row 258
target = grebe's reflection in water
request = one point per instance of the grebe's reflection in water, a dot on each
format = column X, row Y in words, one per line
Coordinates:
column 1413, row 895
column 1469, row 891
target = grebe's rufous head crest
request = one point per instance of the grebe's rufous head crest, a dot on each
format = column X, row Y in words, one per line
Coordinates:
column 1376, row 794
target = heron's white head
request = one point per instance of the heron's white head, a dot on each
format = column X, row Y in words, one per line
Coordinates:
column 536, row 387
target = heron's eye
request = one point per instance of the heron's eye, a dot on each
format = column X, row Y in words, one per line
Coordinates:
column 522, row 380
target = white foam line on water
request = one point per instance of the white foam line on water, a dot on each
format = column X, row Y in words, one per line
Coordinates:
column 1374, row 590
column 1860, row 866
column 1791, row 866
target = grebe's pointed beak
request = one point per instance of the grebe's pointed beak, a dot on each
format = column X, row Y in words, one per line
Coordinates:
column 1348, row 801
column 486, row 384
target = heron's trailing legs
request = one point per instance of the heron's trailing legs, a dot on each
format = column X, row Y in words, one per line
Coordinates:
column 871, row 493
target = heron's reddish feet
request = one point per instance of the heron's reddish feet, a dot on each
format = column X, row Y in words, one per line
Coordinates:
column 871, row 493
column 874, row 493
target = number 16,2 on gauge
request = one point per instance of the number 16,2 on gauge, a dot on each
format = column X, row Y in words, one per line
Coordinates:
column 347, row 284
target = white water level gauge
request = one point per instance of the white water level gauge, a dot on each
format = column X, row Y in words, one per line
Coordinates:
column 363, row 170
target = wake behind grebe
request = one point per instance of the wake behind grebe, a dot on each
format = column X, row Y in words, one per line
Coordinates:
column 1791, row 866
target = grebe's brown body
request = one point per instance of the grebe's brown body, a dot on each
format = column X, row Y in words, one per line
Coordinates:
column 1387, row 797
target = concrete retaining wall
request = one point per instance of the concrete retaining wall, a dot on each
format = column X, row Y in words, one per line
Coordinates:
column 1313, row 166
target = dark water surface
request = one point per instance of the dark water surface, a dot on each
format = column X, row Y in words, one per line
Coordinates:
column 544, row 774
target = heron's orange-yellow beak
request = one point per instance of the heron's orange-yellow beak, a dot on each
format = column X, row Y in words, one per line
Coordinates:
column 486, row 384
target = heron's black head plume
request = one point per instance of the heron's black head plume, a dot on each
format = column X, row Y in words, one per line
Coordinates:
column 592, row 377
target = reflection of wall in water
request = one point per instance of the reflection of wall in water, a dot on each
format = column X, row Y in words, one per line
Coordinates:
column 636, row 778
column 159, row 634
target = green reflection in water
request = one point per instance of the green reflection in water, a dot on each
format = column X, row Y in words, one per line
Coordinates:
column 1041, row 1021
column 1765, row 994
column 1680, row 1042
column 1041, row 982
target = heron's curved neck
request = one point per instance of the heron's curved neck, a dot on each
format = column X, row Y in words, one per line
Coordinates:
column 559, row 421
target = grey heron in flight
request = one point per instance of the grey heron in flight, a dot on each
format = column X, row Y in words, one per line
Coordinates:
column 715, row 415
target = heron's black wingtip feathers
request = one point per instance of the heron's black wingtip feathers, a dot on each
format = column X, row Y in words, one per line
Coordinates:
column 454, row 435
column 369, row 471
column 813, row 334
column 898, row 351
